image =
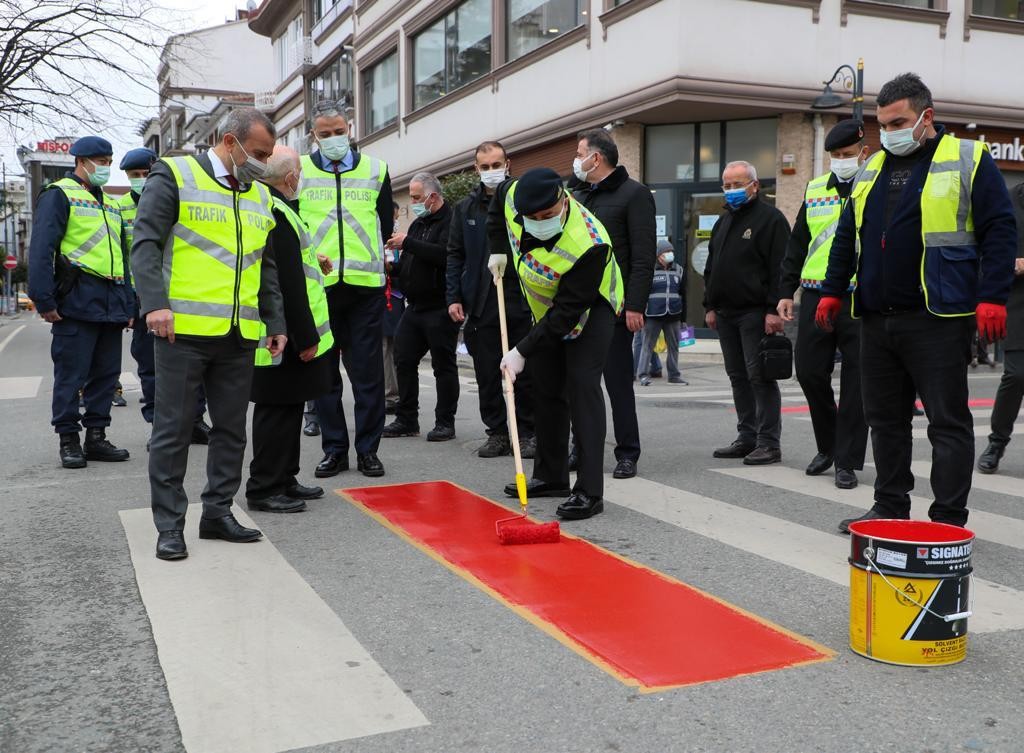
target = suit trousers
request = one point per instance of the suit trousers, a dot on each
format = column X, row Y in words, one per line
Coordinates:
column 276, row 434
column 225, row 367
column 357, row 325
column 839, row 431
column 483, row 340
column 142, row 352
column 912, row 351
column 87, row 357
column 421, row 332
column 1008, row 397
column 567, row 385
column 758, row 401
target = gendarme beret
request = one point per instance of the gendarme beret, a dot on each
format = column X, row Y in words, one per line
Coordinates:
column 537, row 190
column 138, row 159
column 91, row 146
column 844, row 133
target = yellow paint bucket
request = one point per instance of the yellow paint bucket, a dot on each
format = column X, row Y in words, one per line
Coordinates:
column 909, row 591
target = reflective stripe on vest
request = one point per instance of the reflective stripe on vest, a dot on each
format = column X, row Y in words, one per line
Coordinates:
column 92, row 239
column 541, row 270
column 315, row 293
column 947, row 223
column 823, row 206
column 128, row 211
column 212, row 260
column 347, row 202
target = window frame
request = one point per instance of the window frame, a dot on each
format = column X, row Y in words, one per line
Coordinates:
column 583, row 13
column 938, row 15
column 365, row 67
column 988, row 23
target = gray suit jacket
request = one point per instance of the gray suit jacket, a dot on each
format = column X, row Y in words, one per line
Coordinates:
column 156, row 217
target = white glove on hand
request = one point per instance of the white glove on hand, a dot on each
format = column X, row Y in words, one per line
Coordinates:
column 513, row 362
column 497, row 263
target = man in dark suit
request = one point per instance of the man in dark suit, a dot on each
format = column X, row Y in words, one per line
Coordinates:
column 206, row 279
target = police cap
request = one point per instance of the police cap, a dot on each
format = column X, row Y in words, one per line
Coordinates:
column 537, row 190
column 91, row 146
column 844, row 133
column 138, row 159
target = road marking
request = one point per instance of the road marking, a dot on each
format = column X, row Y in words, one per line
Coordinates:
column 817, row 553
column 255, row 660
column 18, row 388
column 684, row 392
column 1013, row 487
column 999, row 529
column 979, row 431
column 10, row 337
column 129, row 380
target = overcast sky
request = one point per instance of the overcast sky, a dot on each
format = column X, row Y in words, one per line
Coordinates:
column 187, row 15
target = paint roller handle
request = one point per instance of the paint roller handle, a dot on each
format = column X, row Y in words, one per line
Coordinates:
column 957, row 616
column 510, row 399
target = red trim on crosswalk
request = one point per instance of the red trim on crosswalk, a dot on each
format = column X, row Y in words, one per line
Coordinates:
column 982, row 402
column 642, row 626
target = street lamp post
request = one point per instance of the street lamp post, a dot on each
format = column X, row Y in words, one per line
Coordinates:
column 850, row 79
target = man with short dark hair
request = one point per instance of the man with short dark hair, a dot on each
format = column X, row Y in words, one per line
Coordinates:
column 626, row 209
column 929, row 232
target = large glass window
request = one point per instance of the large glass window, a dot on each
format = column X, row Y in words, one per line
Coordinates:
column 288, row 49
column 380, row 85
column 1010, row 9
column 323, row 8
column 452, row 52
column 670, row 151
column 531, row 23
column 710, row 151
column 333, row 82
column 754, row 141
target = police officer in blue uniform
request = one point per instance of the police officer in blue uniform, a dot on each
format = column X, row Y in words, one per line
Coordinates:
column 136, row 164
column 78, row 282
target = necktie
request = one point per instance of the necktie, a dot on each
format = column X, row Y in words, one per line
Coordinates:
column 232, row 181
column 337, row 166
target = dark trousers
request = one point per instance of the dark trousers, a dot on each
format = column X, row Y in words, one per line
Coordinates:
column 901, row 353
column 567, row 385
column 653, row 326
column 839, row 431
column 1008, row 397
column 276, row 433
column 225, row 368
column 87, row 357
column 483, row 340
column 357, row 325
column 758, row 401
column 421, row 332
column 142, row 352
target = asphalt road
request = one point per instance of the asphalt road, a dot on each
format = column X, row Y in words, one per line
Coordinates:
column 450, row 667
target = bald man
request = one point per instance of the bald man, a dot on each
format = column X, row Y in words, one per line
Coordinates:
column 281, row 386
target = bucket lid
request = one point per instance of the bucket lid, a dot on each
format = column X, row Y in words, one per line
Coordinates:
column 911, row 531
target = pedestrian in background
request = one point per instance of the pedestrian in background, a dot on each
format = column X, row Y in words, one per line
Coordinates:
column 665, row 308
column 392, row 316
column 741, row 293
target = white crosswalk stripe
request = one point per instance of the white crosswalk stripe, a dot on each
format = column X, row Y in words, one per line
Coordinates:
column 19, row 388
column 1013, row 487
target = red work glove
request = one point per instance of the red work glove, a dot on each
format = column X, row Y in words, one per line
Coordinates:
column 991, row 321
column 827, row 312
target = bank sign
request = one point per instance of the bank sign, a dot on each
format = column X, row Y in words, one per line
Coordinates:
column 1007, row 151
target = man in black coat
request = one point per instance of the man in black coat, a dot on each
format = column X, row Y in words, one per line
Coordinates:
column 626, row 209
column 741, row 293
column 1011, row 386
column 425, row 325
column 280, row 391
column 472, row 298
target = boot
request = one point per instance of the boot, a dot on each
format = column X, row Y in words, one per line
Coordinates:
column 989, row 460
column 496, row 446
column 71, row 451
column 98, row 448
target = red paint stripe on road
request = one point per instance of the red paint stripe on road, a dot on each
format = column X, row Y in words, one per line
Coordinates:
column 981, row 402
column 642, row 626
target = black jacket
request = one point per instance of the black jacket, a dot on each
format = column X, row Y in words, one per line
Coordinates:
column 626, row 209
column 1015, row 306
column 420, row 268
column 744, row 258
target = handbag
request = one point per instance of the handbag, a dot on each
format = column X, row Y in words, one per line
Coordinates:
column 776, row 356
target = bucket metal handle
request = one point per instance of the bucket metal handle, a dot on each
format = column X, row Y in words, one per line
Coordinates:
column 869, row 554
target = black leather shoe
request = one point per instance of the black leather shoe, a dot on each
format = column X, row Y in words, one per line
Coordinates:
column 228, row 529
column 201, row 432
column 989, row 460
column 311, row 429
column 819, row 464
column 118, row 400
column 98, row 448
column 332, row 464
column 624, row 469
column 763, row 456
column 574, row 460
column 845, row 479
column 580, row 506
column 527, row 448
column 496, row 446
column 398, row 428
column 872, row 514
column 277, row 503
column 537, row 488
column 370, row 465
column 304, row 492
column 441, row 433
column 737, row 449
column 71, row 455
column 170, row 545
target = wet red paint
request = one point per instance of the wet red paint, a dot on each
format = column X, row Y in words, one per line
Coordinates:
column 646, row 627
column 982, row 402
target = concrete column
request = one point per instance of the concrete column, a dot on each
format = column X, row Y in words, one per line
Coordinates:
column 630, row 140
column 796, row 137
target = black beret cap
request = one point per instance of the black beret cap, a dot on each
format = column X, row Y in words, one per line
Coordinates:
column 91, row 146
column 844, row 133
column 537, row 190
column 138, row 159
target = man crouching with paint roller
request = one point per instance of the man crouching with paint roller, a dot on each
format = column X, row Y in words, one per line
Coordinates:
column 562, row 256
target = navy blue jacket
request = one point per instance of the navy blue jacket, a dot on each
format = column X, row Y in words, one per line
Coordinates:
column 889, row 273
column 666, row 299
column 92, row 299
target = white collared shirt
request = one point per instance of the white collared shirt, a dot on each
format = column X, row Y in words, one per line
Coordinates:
column 220, row 172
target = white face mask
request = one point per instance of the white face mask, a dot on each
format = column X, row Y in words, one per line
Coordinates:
column 668, row 257
column 137, row 184
column 845, row 169
column 902, row 142
column 577, row 167
column 334, row 148
column 544, row 230
column 251, row 168
column 493, row 178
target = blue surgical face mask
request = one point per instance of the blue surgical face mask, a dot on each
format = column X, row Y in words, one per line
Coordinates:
column 902, row 142
column 99, row 175
column 420, row 209
column 137, row 184
column 543, row 230
column 334, row 148
column 736, row 197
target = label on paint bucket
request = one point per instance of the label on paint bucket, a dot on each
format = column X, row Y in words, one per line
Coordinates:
column 892, row 559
